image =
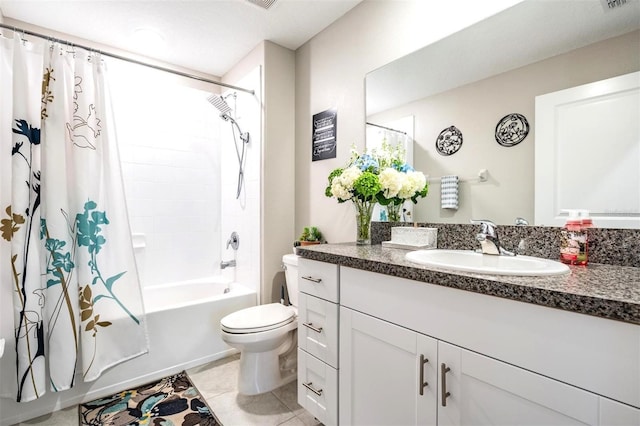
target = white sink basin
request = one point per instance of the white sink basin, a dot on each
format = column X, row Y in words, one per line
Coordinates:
column 470, row 261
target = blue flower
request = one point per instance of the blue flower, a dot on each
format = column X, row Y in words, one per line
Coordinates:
column 52, row 244
column 366, row 162
column 407, row 168
column 63, row 261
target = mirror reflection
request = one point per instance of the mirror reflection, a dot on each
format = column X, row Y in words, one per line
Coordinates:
column 460, row 90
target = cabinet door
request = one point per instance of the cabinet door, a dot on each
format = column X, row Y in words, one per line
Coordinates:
column 484, row 391
column 380, row 373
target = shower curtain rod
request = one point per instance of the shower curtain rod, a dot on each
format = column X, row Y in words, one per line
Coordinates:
column 386, row 128
column 122, row 58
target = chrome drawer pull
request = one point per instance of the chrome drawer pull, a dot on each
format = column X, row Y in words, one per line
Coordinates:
column 312, row 327
column 312, row 389
column 443, row 380
column 313, row 280
column 423, row 384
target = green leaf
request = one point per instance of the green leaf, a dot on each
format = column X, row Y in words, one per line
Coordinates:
column 98, row 297
column 113, row 279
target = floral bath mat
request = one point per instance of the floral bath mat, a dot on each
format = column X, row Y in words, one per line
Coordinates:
column 172, row 401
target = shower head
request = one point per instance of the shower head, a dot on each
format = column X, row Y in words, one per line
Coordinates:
column 222, row 105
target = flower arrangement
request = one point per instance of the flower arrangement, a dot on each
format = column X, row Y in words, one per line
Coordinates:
column 379, row 177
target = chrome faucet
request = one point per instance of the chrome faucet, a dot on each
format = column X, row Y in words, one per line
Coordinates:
column 234, row 242
column 225, row 264
column 488, row 239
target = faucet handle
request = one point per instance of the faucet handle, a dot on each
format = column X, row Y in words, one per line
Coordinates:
column 233, row 241
column 488, row 227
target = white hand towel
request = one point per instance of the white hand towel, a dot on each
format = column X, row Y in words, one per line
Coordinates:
column 449, row 192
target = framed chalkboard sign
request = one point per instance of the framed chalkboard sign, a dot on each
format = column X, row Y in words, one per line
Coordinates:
column 323, row 137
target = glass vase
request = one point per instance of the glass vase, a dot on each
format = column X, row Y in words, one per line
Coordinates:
column 364, row 209
column 394, row 212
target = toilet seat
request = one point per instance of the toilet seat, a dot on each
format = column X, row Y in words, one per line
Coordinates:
column 258, row 318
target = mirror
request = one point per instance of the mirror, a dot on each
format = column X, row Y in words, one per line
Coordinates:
column 475, row 78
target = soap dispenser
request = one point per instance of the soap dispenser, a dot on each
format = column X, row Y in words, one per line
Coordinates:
column 586, row 223
column 573, row 240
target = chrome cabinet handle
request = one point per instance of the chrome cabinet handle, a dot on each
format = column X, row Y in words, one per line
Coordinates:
column 312, row 327
column 422, row 383
column 312, row 389
column 443, row 379
column 313, row 280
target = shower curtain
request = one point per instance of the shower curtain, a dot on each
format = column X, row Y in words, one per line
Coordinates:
column 65, row 246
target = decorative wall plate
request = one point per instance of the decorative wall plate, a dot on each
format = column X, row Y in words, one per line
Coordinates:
column 512, row 129
column 449, row 141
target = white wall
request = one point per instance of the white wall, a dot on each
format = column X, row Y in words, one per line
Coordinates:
column 330, row 72
column 274, row 233
column 278, row 189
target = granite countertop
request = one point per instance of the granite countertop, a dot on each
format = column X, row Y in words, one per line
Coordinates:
column 602, row 290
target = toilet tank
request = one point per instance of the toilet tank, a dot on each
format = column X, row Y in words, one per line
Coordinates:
column 290, row 262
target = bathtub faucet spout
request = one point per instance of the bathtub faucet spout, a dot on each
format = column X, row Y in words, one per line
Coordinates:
column 226, row 264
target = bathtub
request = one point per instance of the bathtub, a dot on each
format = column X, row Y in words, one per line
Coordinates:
column 183, row 321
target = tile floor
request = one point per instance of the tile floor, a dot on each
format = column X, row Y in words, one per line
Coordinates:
column 216, row 382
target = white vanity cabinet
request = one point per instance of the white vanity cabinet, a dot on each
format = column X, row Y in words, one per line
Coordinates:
column 318, row 298
column 478, row 390
column 488, row 360
column 387, row 373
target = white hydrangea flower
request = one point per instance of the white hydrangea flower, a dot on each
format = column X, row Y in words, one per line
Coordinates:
column 349, row 176
column 413, row 182
column 339, row 191
column 342, row 185
column 391, row 181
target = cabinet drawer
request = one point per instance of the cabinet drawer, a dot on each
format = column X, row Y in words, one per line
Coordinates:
column 319, row 279
column 318, row 388
column 318, row 328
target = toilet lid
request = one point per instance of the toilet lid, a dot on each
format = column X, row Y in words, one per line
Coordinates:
column 258, row 318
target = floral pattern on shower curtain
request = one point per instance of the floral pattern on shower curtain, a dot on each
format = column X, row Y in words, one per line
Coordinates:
column 65, row 246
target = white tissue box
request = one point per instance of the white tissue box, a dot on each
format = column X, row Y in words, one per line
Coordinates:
column 412, row 237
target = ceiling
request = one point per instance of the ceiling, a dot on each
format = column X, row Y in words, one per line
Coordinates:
column 209, row 36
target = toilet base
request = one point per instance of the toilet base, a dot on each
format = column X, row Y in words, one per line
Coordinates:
column 262, row 372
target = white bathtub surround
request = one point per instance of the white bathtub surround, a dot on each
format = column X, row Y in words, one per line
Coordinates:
column 183, row 320
column 170, row 145
column 66, row 232
column 241, row 215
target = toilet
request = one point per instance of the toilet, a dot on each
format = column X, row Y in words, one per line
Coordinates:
column 266, row 336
